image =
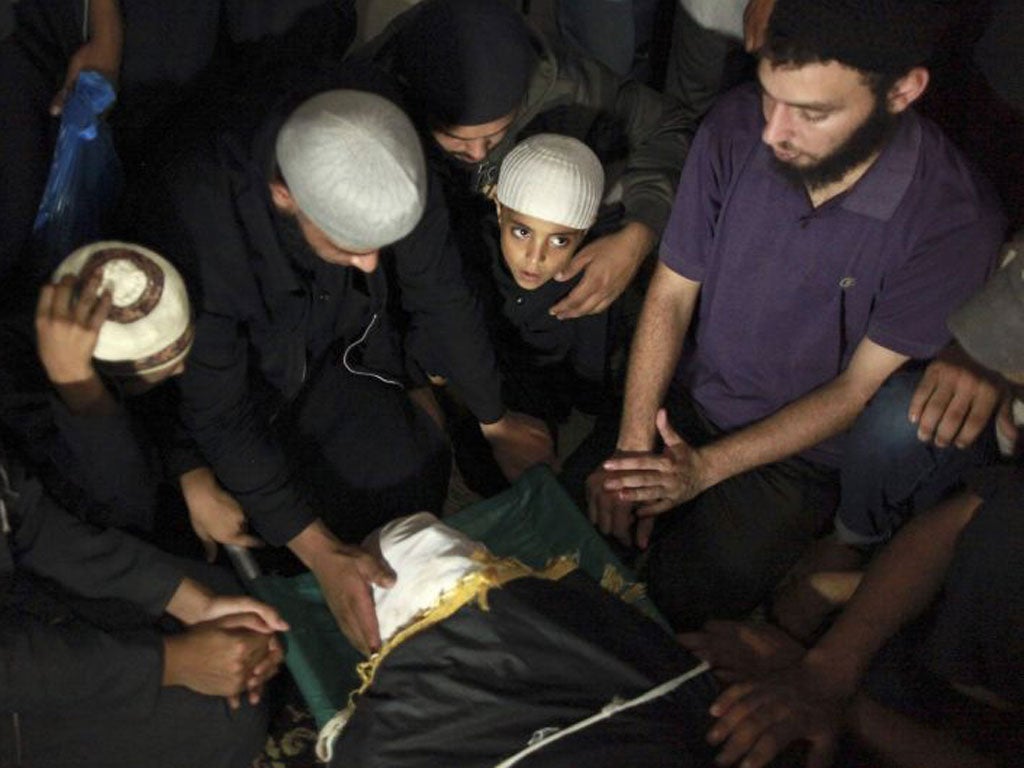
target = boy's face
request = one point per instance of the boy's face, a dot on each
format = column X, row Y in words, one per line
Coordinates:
column 535, row 250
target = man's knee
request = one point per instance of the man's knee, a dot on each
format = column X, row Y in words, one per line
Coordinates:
column 888, row 473
column 883, row 428
column 695, row 578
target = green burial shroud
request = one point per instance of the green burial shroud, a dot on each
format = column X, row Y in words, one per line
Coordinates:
column 534, row 520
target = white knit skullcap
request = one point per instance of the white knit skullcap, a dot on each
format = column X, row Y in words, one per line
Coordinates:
column 149, row 327
column 554, row 178
column 354, row 165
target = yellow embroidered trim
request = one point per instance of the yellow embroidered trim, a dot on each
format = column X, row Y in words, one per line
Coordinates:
column 613, row 581
column 496, row 573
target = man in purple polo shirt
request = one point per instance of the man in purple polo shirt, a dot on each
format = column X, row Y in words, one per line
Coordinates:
column 821, row 234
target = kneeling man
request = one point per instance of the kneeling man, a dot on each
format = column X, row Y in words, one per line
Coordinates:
column 821, row 234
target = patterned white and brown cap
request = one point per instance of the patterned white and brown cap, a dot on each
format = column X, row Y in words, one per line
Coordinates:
column 149, row 328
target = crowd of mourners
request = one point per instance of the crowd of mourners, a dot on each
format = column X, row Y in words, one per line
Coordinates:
column 782, row 291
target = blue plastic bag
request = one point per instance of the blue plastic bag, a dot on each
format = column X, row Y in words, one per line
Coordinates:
column 85, row 178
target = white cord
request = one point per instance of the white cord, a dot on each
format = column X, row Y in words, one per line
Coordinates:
column 329, row 734
column 541, row 738
column 356, row 343
column 612, row 708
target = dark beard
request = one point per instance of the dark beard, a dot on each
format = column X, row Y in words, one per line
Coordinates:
column 869, row 138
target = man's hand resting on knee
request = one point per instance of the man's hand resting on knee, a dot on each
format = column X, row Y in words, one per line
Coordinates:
column 346, row 575
column 954, row 400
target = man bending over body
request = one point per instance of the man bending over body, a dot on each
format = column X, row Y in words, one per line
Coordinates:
column 315, row 264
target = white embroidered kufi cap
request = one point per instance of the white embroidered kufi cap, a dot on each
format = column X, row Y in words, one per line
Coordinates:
column 354, row 165
column 149, row 328
column 554, row 178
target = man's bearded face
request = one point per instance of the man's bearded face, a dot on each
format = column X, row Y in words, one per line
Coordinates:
column 821, row 120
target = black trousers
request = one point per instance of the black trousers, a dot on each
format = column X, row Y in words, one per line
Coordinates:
column 182, row 729
column 720, row 555
column 185, row 730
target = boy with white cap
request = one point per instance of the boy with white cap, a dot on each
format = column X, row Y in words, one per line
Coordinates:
column 547, row 199
column 552, row 185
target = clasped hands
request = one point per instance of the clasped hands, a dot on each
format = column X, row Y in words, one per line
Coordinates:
column 229, row 648
column 641, row 485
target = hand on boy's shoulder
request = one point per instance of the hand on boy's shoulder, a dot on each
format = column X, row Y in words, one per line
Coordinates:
column 608, row 265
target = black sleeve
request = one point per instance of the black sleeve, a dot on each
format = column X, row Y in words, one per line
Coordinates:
column 179, row 451
column 159, row 411
column 447, row 331
column 219, row 411
column 89, row 561
column 656, row 129
column 45, row 667
column 115, row 471
column 94, row 465
column 200, row 232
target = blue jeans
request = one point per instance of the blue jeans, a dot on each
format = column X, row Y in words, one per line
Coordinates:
column 888, row 475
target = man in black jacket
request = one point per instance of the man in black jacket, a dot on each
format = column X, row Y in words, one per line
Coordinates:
column 86, row 680
column 323, row 256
